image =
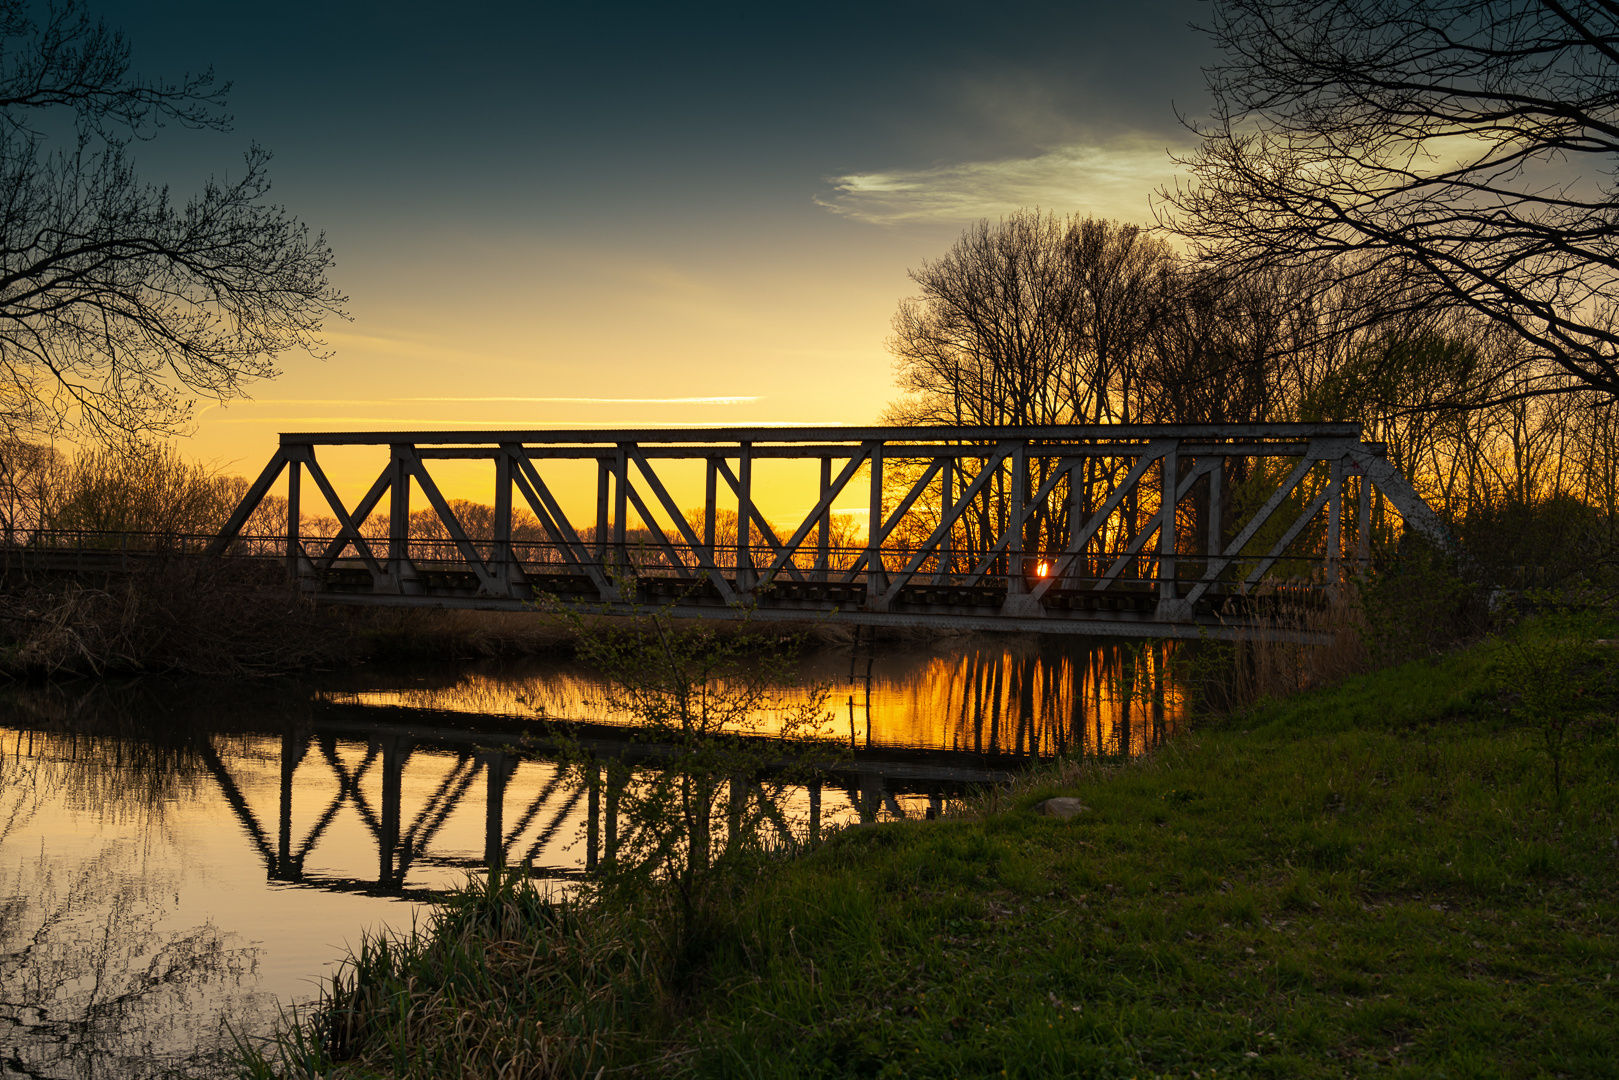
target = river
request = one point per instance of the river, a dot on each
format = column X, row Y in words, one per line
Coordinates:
column 180, row 862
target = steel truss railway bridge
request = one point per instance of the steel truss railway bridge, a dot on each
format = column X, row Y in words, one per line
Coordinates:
column 1124, row 530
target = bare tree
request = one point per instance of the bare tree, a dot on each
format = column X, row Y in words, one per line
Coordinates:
column 1033, row 320
column 118, row 304
column 985, row 340
column 1119, row 278
column 1463, row 149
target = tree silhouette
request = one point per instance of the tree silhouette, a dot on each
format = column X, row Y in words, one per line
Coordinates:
column 1455, row 153
column 117, row 304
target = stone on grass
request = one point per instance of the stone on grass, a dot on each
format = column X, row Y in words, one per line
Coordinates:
column 1060, row 808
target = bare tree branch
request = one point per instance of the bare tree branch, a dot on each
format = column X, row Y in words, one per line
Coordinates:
column 1465, row 149
column 118, row 305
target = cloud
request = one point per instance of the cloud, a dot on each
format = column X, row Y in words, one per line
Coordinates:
column 1105, row 181
column 416, row 423
column 719, row 400
column 604, row 400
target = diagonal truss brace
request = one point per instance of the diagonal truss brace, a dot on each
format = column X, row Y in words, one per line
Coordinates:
column 1154, row 450
column 706, row 561
column 856, row 459
column 781, row 553
column 489, row 583
column 1317, row 451
column 349, row 528
column 555, row 523
column 1163, row 518
column 886, row 527
column 1002, row 451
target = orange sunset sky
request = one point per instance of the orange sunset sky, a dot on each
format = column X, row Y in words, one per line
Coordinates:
column 643, row 215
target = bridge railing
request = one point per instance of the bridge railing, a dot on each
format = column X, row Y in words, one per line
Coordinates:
column 682, row 562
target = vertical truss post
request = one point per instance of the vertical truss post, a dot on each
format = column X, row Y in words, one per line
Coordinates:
column 1015, row 534
column 603, row 524
column 944, row 564
column 744, row 519
column 735, row 805
column 498, row 768
column 1169, row 482
column 295, row 472
column 621, row 511
column 876, row 576
column 399, row 519
column 504, row 554
column 1214, row 540
column 1363, row 527
column 710, row 497
column 291, row 753
column 823, row 529
column 395, row 751
column 1335, row 510
column 1077, row 513
column 1132, row 510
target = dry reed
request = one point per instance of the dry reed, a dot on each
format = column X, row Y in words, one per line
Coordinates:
column 189, row 617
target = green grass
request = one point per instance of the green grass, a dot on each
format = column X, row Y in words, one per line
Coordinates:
column 1372, row 879
column 1376, row 879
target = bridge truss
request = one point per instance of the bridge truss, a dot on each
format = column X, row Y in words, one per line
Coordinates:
column 1162, row 531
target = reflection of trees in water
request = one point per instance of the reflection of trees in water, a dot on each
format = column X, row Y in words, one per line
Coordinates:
column 1012, row 695
column 24, row 788
column 125, row 752
column 541, row 687
column 1040, row 698
column 117, row 779
column 90, row 987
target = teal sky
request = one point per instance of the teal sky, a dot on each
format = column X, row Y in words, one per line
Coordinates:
column 640, row 205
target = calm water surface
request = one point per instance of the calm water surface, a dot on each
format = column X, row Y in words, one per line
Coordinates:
column 176, row 857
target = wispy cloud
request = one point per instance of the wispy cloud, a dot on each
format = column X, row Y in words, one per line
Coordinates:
column 726, row 400
column 603, row 400
column 1106, row 181
column 527, row 423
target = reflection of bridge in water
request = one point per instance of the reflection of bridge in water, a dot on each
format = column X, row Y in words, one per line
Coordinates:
column 945, row 719
column 397, row 782
column 473, row 767
column 1123, row 530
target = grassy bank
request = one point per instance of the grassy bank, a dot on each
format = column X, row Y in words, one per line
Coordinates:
column 1378, row 878
column 1375, row 877
column 189, row 617
column 180, row 616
